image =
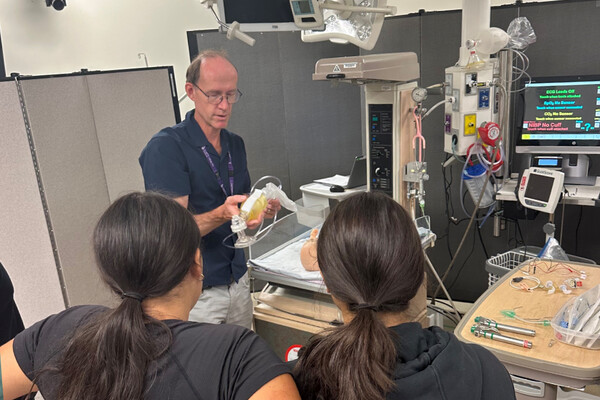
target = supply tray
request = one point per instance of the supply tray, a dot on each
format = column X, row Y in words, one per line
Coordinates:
column 500, row 264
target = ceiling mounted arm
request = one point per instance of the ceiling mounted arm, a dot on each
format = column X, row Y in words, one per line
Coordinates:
column 233, row 30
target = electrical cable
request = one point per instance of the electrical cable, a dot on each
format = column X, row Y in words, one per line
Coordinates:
column 464, row 235
column 514, row 237
column 522, row 286
column 459, row 271
column 444, row 313
column 487, row 214
column 441, row 285
column 524, row 64
column 526, row 237
column 448, row 204
column 577, row 230
column 517, row 227
column 521, row 70
column 562, row 220
column 487, row 256
column 520, row 232
column 509, row 237
column 446, row 304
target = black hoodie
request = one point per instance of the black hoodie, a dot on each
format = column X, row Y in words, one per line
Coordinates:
column 433, row 364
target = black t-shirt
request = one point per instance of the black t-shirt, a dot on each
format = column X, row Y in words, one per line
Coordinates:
column 10, row 319
column 215, row 361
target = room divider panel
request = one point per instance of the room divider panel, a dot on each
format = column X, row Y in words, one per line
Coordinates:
column 69, row 147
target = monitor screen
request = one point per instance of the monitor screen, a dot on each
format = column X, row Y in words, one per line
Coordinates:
column 258, row 15
column 539, row 187
column 559, row 115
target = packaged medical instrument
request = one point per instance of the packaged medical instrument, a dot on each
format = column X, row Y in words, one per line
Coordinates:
column 553, row 250
column 578, row 321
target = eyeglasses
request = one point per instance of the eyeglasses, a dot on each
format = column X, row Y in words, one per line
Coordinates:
column 218, row 98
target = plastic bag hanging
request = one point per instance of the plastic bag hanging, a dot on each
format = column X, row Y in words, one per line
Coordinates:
column 521, row 33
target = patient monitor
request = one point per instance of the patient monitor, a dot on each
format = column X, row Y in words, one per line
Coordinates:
column 540, row 189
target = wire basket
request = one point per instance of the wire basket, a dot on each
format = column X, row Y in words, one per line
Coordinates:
column 500, row 264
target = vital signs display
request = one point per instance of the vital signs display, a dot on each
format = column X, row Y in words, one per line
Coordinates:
column 560, row 112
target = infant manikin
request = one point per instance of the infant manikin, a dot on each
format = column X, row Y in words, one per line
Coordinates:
column 308, row 252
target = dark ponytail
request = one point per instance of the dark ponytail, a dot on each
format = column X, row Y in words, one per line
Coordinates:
column 145, row 244
column 371, row 258
column 351, row 362
column 108, row 358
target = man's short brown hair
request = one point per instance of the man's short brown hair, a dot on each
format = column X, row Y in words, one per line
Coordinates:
column 193, row 72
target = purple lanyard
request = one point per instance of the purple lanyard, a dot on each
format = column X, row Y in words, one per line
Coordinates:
column 216, row 172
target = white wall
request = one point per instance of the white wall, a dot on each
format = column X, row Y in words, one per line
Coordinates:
column 109, row 34
column 99, row 35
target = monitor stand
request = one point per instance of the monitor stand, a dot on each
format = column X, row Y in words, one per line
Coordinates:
column 575, row 167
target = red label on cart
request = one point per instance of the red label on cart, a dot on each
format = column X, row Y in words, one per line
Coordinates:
column 292, row 352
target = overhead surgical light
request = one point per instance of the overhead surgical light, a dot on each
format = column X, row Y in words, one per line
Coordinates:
column 57, row 4
column 341, row 21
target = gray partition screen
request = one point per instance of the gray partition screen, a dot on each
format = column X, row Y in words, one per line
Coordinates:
column 124, row 131
column 70, row 166
column 85, row 134
column 25, row 248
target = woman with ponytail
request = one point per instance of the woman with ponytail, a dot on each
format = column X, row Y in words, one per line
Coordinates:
column 146, row 247
column 371, row 259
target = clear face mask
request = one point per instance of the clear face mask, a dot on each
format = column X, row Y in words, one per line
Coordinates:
column 251, row 209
